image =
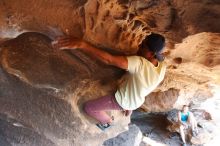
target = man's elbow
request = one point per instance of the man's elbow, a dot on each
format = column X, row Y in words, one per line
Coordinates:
column 116, row 61
column 107, row 61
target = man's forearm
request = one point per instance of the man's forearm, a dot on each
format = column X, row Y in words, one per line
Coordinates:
column 98, row 53
column 118, row 61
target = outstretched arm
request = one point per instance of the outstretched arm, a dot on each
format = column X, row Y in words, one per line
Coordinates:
column 73, row 43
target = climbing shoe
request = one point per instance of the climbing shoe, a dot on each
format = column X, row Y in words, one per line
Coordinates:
column 103, row 127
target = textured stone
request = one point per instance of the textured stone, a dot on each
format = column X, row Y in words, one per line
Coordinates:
column 172, row 18
column 131, row 137
column 9, row 134
column 30, row 56
column 161, row 101
column 42, row 92
column 31, row 68
column 201, row 138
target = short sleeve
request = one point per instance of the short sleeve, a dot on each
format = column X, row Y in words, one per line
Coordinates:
column 134, row 63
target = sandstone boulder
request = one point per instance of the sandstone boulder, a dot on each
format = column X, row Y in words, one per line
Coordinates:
column 131, row 137
column 42, row 92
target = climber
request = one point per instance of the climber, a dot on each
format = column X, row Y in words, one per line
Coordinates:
column 144, row 72
column 186, row 120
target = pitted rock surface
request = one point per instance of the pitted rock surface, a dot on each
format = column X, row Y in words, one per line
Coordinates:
column 40, row 85
column 43, row 91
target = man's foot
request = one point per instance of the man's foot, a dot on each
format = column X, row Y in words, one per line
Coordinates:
column 103, row 127
column 184, row 144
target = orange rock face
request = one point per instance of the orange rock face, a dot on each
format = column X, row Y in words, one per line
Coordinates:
column 31, row 69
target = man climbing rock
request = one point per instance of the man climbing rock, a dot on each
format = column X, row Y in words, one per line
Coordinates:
column 186, row 120
column 144, row 73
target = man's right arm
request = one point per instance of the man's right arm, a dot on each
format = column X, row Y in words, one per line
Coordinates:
column 107, row 58
column 73, row 43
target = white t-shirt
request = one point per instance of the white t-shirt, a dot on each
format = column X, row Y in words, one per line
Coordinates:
column 142, row 78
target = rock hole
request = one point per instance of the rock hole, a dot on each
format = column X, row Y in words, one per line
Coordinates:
column 178, row 60
column 209, row 62
column 131, row 16
column 137, row 23
column 123, row 2
column 145, row 28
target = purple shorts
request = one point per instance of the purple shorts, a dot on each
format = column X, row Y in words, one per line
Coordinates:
column 97, row 108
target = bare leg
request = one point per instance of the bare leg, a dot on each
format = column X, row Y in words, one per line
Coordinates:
column 182, row 134
column 97, row 108
column 193, row 123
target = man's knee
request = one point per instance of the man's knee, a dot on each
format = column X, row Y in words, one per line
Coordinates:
column 87, row 108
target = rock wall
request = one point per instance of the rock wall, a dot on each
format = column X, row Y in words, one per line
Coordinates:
column 42, row 90
column 116, row 24
column 193, row 66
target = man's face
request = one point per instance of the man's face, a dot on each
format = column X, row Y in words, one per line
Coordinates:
column 147, row 54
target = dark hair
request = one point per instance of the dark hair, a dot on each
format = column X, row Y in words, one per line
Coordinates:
column 155, row 43
column 185, row 106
